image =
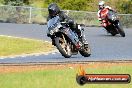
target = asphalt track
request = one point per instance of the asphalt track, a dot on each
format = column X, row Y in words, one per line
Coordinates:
column 104, row 46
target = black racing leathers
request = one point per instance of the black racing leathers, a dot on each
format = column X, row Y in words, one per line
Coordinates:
column 65, row 18
column 62, row 15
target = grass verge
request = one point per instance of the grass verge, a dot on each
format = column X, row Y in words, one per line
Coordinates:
column 16, row 46
column 60, row 76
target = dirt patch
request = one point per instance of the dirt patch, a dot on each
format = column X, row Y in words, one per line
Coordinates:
column 35, row 67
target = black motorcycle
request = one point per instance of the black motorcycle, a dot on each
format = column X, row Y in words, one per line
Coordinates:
column 66, row 40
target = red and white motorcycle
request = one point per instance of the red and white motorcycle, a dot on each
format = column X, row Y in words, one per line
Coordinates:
column 110, row 21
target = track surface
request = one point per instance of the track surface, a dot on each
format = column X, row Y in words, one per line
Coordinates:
column 104, row 46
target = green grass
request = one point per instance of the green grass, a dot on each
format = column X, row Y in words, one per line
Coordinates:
column 16, row 46
column 59, row 78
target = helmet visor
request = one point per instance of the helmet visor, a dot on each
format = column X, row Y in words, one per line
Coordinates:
column 52, row 12
column 101, row 6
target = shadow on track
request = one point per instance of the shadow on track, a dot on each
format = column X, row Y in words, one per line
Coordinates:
column 109, row 35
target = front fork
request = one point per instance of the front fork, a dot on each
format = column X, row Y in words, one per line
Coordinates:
column 82, row 35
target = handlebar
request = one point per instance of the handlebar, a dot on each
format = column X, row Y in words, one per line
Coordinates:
column 64, row 22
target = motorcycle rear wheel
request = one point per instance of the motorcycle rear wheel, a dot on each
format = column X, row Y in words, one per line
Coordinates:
column 63, row 47
column 113, row 33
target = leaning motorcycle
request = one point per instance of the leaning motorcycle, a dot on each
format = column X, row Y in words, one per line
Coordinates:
column 110, row 21
column 66, row 40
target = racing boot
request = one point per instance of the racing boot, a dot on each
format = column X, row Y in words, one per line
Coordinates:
column 79, row 45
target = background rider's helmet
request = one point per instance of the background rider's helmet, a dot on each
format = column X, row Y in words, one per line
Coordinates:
column 53, row 9
column 101, row 4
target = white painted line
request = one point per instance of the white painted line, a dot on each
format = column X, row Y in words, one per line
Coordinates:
column 54, row 53
column 22, row 38
column 25, row 55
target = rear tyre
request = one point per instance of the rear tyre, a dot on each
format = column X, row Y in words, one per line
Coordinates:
column 113, row 34
column 86, row 52
column 63, row 47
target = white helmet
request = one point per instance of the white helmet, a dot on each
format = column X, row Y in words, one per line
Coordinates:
column 101, row 3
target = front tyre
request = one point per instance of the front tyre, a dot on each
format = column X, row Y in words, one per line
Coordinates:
column 86, row 52
column 63, row 47
column 120, row 29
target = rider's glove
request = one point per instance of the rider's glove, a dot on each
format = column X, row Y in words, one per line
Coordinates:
column 70, row 22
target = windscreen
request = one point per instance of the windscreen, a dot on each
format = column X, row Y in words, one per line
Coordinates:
column 53, row 22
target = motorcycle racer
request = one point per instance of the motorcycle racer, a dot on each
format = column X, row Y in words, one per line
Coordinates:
column 101, row 8
column 54, row 10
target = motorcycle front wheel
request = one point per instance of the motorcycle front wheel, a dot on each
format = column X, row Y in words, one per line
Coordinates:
column 86, row 52
column 120, row 29
column 63, row 46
